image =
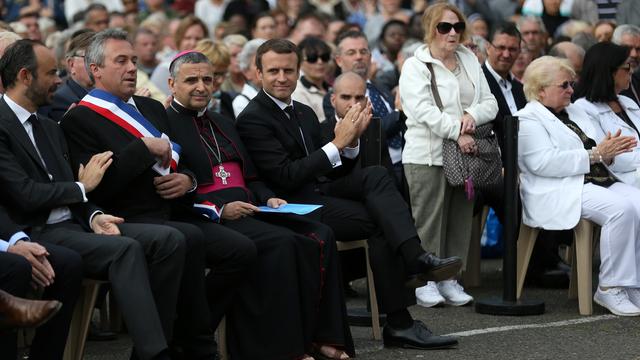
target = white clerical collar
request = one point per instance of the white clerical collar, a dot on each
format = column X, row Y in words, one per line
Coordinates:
column 281, row 104
column 200, row 113
column 498, row 77
column 21, row 113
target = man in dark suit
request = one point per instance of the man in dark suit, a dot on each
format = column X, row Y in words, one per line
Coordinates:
column 502, row 52
column 140, row 187
column 629, row 35
column 284, row 140
column 353, row 54
column 38, row 189
column 77, row 83
column 55, row 269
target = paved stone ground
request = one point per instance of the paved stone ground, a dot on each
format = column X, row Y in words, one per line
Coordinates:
column 560, row 333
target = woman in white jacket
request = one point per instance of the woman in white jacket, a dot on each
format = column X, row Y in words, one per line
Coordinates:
column 564, row 177
column 442, row 213
column 605, row 73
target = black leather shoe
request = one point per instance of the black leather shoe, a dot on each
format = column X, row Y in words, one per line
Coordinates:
column 433, row 268
column 418, row 336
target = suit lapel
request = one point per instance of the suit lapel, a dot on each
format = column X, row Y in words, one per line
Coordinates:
column 289, row 124
column 15, row 127
column 496, row 90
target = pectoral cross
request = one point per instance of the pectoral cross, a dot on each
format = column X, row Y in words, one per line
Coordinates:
column 222, row 174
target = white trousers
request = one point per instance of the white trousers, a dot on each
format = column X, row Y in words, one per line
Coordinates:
column 617, row 210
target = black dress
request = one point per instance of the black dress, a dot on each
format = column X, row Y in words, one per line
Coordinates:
column 293, row 297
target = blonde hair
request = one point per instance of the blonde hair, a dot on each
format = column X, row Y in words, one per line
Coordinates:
column 215, row 51
column 432, row 17
column 541, row 73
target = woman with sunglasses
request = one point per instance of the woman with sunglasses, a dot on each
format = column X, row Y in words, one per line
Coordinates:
column 563, row 158
column 442, row 213
column 312, row 86
column 605, row 73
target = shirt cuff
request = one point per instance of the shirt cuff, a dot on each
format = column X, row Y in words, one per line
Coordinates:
column 333, row 154
column 84, row 194
column 97, row 212
column 20, row 235
column 351, row 152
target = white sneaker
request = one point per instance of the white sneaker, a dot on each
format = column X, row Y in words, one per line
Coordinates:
column 428, row 295
column 617, row 301
column 454, row 293
column 634, row 296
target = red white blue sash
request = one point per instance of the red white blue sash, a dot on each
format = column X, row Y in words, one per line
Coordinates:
column 208, row 209
column 131, row 120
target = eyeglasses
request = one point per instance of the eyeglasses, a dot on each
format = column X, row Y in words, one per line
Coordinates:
column 502, row 48
column 566, row 84
column 445, row 27
column 313, row 58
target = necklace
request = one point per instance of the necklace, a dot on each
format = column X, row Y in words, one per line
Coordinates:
column 221, row 173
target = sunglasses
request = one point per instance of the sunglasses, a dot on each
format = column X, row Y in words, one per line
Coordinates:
column 566, row 84
column 445, row 27
column 313, row 58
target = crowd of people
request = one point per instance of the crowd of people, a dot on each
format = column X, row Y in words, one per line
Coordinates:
column 158, row 145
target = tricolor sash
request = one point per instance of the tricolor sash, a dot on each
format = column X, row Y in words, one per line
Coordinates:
column 208, row 209
column 131, row 120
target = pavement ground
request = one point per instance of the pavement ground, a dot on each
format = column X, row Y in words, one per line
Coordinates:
column 560, row 333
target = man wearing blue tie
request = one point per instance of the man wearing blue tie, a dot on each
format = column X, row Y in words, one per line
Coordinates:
column 353, row 54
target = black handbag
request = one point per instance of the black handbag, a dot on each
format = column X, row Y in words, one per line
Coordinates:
column 482, row 170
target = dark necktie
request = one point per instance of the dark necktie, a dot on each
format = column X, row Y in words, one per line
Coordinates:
column 45, row 148
column 380, row 110
column 292, row 115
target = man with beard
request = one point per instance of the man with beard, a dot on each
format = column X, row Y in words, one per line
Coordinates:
column 146, row 183
column 37, row 187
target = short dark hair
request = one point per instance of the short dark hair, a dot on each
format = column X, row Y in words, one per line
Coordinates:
column 313, row 45
column 279, row 46
column 390, row 23
column 18, row 55
column 193, row 57
column 507, row 28
column 350, row 34
column 596, row 82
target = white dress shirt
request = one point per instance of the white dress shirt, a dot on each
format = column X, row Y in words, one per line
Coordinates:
column 332, row 152
column 58, row 214
column 505, row 86
column 20, row 235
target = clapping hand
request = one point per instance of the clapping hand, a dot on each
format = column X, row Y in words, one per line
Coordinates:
column 615, row 144
column 91, row 174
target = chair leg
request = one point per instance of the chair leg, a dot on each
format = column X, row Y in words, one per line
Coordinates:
column 526, row 241
column 584, row 253
column 471, row 275
column 222, row 339
column 573, row 278
column 375, row 314
column 81, row 320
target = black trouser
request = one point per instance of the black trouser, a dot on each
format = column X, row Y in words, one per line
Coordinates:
column 146, row 298
column 15, row 278
column 366, row 204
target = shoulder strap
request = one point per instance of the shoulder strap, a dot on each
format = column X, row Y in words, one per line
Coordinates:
column 434, row 86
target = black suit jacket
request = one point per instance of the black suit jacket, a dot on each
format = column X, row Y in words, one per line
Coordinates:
column 127, row 188
column 68, row 93
column 24, row 182
column 277, row 149
column 503, row 107
column 633, row 85
column 184, row 131
column 392, row 123
column 7, row 226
